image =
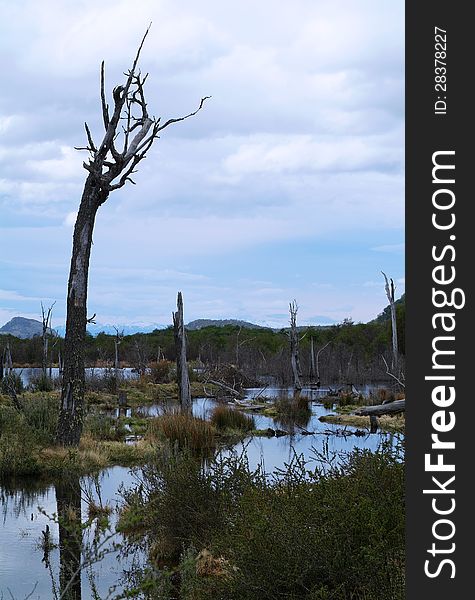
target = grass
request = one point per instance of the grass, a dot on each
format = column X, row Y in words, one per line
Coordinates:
column 227, row 419
column 184, row 430
column 290, row 410
column 385, row 423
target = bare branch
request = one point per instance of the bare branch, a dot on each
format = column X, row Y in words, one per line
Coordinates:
column 105, row 106
column 92, row 148
column 192, row 114
column 388, row 372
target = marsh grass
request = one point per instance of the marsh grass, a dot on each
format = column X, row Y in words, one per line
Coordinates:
column 225, row 418
column 182, row 429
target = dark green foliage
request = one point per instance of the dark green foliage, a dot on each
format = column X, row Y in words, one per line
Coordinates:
column 334, row 533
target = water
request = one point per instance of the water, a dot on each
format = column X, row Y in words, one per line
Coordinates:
column 26, row 510
column 29, row 374
column 21, row 567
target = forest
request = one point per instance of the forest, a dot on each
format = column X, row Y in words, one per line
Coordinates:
column 347, row 352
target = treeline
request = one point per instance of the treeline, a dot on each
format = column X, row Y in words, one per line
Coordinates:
column 346, row 352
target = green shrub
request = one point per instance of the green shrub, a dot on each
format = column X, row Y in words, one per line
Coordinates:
column 43, row 383
column 226, row 418
column 334, row 533
column 104, row 427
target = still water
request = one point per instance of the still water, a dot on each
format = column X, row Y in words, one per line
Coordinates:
column 27, row 507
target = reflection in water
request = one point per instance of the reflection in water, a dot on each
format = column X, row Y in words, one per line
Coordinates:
column 68, row 500
column 22, row 524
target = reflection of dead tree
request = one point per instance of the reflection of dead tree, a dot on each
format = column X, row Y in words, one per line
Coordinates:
column 294, row 346
column 183, row 380
column 45, row 335
column 109, row 168
column 389, row 288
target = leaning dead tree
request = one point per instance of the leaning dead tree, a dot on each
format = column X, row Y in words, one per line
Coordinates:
column 183, row 380
column 389, row 288
column 45, row 335
column 109, row 168
column 294, row 346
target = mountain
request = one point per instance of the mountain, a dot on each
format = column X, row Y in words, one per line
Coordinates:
column 96, row 328
column 22, row 328
column 200, row 323
column 386, row 314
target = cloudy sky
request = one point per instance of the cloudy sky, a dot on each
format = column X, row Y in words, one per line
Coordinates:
column 288, row 184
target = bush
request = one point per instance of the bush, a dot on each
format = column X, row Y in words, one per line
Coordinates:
column 332, row 533
column 160, row 371
column 104, row 427
column 43, row 383
column 225, row 418
column 23, row 434
column 11, row 381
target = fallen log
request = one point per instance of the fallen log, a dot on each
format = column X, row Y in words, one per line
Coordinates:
column 225, row 387
column 391, row 408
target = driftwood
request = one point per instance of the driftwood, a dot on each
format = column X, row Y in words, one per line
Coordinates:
column 391, row 408
column 229, row 389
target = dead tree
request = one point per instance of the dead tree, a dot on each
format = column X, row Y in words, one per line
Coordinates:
column 389, row 288
column 183, row 380
column 294, row 346
column 311, row 371
column 117, row 341
column 7, row 362
column 45, row 335
column 108, row 168
column 318, row 358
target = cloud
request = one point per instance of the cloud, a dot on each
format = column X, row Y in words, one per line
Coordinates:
column 299, row 148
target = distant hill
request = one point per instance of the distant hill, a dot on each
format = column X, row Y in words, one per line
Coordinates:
column 96, row 328
column 22, row 328
column 386, row 314
column 201, row 323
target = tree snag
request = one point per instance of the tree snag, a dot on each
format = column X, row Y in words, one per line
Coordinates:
column 183, row 380
column 45, row 335
column 389, row 288
column 109, row 168
column 294, row 346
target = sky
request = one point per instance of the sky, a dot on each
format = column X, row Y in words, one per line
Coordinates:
column 289, row 184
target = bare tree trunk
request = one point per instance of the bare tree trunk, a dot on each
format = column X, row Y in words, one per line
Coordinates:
column 109, row 168
column 184, row 391
column 389, row 288
column 71, row 416
column 318, row 357
column 294, row 346
column 46, row 322
column 312, row 372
